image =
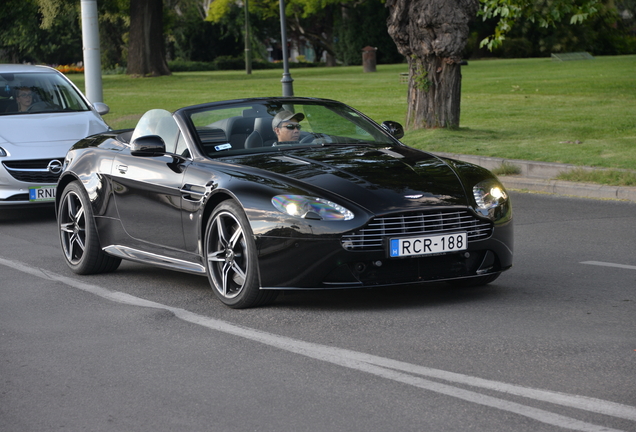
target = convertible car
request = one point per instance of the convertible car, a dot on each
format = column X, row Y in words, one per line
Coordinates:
column 214, row 190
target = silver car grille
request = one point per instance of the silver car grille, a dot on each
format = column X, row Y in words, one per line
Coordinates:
column 33, row 170
column 372, row 236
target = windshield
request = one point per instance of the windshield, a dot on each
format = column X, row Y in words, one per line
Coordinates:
column 26, row 93
column 259, row 126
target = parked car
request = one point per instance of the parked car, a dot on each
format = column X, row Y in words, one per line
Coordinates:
column 213, row 190
column 42, row 114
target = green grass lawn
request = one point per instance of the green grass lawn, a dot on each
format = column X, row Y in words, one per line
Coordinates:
column 578, row 112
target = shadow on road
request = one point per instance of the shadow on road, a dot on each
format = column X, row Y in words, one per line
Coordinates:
column 27, row 214
column 418, row 296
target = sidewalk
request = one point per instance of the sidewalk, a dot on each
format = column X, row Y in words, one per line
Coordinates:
column 541, row 177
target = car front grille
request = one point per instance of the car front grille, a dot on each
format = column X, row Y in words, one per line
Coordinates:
column 33, row 170
column 438, row 222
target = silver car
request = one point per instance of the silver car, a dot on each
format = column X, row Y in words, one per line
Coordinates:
column 42, row 114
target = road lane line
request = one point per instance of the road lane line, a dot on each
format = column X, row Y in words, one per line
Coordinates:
column 606, row 264
column 379, row 366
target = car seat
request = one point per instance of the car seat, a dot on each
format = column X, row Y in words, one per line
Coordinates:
column 263, row 134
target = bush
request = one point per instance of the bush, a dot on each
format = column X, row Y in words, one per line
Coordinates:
column 517, row 48
column 191, row 66
column 231, row 63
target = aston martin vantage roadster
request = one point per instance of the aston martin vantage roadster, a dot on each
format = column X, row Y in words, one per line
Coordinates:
column 269, row 194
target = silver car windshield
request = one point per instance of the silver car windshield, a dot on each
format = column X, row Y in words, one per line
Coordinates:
column 26, row 93
column 259, row 126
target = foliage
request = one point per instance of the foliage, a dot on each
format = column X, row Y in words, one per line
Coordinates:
column 231, row 63
column 28, row 33
column 191, row 37
column 68, row 69
column 544, row 13
column 339, row 27
column 606, row 33
column 48, row 31
column 358, row 25
column 506, row 168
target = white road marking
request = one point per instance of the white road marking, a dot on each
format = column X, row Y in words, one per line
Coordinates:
column 606, row 264
column 379, row 366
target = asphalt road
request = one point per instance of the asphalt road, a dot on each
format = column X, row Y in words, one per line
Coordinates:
column 550, row 346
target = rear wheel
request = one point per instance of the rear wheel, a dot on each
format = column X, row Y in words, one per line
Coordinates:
column 230, row 254
column 78, row 235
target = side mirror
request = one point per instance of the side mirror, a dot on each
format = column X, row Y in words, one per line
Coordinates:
column 394, row 128
column 148, row 146
column 101, row 108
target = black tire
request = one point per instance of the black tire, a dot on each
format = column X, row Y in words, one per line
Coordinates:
column 474, row 281
column 231, row 261
column 78, row 235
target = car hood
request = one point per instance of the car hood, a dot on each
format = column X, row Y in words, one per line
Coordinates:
column 382, row 179
column 35, row 129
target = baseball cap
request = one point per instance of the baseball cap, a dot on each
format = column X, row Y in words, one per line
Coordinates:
column 284, row 116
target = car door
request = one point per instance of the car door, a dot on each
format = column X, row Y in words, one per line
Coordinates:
column 148, row 198
column 147, row 189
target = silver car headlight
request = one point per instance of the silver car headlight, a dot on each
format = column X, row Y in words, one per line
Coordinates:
column 311, row 208
column 489, row 196
column 3, row 152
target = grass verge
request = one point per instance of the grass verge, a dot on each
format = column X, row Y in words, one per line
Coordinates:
column 576, row 112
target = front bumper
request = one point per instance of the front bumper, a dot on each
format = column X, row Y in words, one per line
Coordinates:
column 286, row 263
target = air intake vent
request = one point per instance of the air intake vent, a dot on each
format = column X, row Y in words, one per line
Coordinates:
column 33, row 171
column 372, row 236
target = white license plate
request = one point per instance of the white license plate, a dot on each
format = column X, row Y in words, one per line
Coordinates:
column 42, row 193
column 401, row 247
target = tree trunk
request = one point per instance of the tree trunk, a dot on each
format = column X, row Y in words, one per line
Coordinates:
column 432, row 34
column 434, row 93
column 146, row 51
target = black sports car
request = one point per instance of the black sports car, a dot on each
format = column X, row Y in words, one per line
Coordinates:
column 268, row 194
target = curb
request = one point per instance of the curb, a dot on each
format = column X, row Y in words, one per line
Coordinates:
column 540, row 177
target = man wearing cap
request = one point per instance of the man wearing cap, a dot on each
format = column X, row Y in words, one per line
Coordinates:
column 286, row 126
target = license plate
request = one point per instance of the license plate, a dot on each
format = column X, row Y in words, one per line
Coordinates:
column 42, row 193
column 401, row 247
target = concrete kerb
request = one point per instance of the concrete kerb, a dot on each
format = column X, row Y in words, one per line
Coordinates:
column 541, row 177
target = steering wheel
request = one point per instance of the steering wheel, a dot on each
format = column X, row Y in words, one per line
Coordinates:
column 42, row 106
column 316, row 138
column 308, row 139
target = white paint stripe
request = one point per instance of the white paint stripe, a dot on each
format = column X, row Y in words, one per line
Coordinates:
column 379, row 366
column 605, row 264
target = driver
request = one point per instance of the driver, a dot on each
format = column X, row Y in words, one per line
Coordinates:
column 24, row 98
column 286, row 126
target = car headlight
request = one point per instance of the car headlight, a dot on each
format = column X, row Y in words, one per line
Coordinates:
column 489, row 195
column 3, row 152
column 311, row 208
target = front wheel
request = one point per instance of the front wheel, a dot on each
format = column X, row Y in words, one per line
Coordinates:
column 78, row 235
column 230, row 254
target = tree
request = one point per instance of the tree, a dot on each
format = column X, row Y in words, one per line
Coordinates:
column 546, row 13
column 19, row 30
column 312, row 20
column 146, row 51
column 40, row 31
column 431, row 34
column 357, row 27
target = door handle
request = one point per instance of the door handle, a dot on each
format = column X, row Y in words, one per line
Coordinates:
column 123, row 169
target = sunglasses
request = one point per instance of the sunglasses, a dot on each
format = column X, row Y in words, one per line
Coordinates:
column 292, row 126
